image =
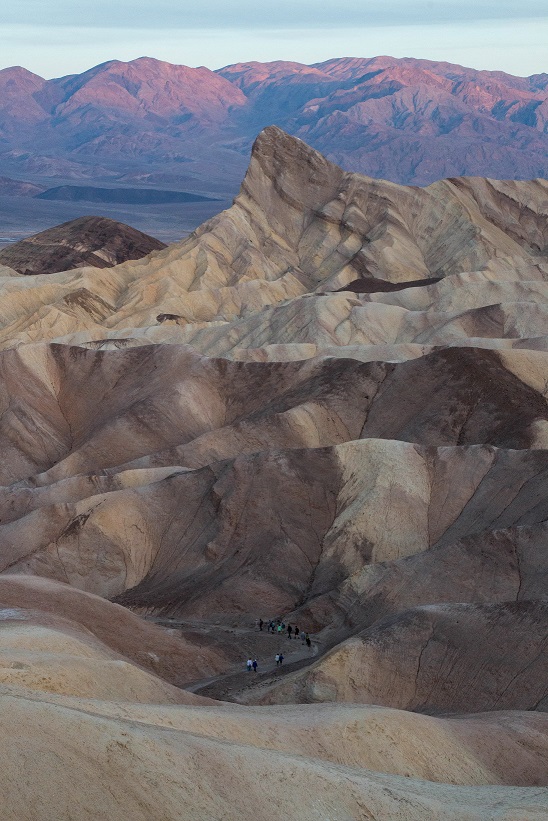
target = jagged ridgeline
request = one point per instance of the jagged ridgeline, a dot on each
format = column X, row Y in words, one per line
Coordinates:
column 328, row 404
column 153, row 123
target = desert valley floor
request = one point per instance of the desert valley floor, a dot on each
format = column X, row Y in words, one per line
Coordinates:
column 328, row 405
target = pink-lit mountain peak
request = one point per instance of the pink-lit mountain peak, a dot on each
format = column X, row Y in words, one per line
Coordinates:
column 17, row 78
column 19, row 90
column 17, row 86
column 150, row 86
column 353, row 67
column 248, row 76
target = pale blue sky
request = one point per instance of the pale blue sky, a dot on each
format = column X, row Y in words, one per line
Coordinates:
column 60, row 37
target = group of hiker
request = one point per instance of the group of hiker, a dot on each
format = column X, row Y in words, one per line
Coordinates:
column 252, row 664
column 279, row 627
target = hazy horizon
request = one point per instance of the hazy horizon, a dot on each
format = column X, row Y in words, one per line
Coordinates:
column 66, row 38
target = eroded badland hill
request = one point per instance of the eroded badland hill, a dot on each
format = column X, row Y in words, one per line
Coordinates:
column 328, row 405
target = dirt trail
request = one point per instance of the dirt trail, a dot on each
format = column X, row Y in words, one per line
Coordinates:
column 238, row 644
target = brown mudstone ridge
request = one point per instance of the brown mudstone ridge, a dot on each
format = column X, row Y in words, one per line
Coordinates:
column 235, row 428
column 225, row 409
column 95, row 241
column 489, row 566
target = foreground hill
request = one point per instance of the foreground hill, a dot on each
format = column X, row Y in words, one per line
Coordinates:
column 94, row 241
column 328, row 405
column 213, row 762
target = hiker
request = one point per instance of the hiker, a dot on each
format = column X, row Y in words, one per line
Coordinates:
column 289, row 631
column 277, row 658
column 261, row 622
column 255, row 665
column 281, row 658
column 279, row 628
column 308, row 642
column 303, row 636
column 249, row 665
column 296, row 632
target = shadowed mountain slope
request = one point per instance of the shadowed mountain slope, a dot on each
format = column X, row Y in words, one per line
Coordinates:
column 34, row 601
column 510, row 564
column 436, row 658
column 18, row 188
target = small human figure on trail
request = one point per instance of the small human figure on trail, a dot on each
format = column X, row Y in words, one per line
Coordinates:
column 281, row 658
column 261, row 622
column 296, row 632
column 289, row 631
column 308, row 642
column 303, row 636
column 277, row 658
column 249, row 665
column 255, row 665
column 279, row 628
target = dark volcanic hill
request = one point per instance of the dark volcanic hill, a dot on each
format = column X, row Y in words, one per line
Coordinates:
column 94, row 241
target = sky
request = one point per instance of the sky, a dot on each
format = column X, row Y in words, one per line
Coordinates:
column 58, row 37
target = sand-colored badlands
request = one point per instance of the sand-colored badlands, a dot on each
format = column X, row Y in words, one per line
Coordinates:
column 240, row 426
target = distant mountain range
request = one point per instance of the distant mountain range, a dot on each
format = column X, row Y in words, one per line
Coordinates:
column 405, row 120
